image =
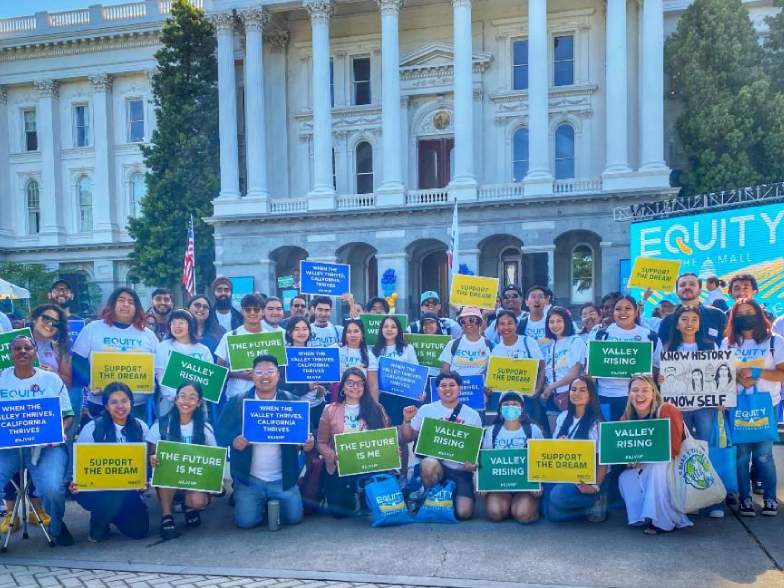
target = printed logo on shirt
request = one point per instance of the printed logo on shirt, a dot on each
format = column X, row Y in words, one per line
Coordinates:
column 33, row 391
column 467, row 358
column 510, row 442
column 122, row 343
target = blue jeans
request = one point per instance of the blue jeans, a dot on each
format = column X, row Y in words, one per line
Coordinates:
column 125, row 509
column 47, row 475
column 765, row 467
column 700, row 422
column 612, row 406
column 250, row 502
column 564, row 502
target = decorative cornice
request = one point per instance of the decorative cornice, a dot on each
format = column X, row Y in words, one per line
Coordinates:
column 223, row 22
column 46, row 88
column 320, row 10
column 278, row 39
column 390, row 6
column 101, row 82
column 254, row 19
column 72, row 46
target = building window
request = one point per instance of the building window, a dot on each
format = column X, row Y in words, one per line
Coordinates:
column 138, row 191
column 582, row 274
column 81, row 126
column 30, row 138
column 520, row 65
column 361, row 80
column 332, row 83
column 135, row 120
column 511, row 261
column 85, row 193
column 519, row 155
column 564, row 152
column 563, row 72
column 33, row 199
column 364, row 153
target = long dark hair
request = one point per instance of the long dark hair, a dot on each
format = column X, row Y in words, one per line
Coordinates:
column 363, row 348
column 400, row 342
column 170, row 425
column 593, row 413
column 186, row 316
column 139, row 317
column 761, row 330
column 675, row 337
column 212, row 327
column 369, row 410
column 567, row 319
column 61, row 339
column 634, row 304
column 104, row 425
column 290, row 329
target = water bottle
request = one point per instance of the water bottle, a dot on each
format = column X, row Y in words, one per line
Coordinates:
column 273, row 515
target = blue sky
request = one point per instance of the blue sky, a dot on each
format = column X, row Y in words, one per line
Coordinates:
column 15, row 8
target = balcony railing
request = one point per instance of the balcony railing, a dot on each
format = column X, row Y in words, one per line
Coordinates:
column 424, row 197
column 585, row 185
column 355, row 201
column 288, row 205
column 509, row 191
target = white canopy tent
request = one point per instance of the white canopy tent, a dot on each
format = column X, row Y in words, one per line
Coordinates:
column 12, row 291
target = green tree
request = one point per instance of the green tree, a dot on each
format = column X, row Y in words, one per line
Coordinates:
column 183, row 159
column 33, row 277
column 774, row 48
column 730, row 127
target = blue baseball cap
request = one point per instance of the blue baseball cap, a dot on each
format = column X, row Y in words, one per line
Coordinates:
column 428, row 296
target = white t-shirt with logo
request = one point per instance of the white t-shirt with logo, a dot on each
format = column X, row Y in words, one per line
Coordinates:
column 352, row 357
column 326, row 336
column 619, row 388
column 41, row 384
column 86, row 434
column 350, row 417
column 507, row 439
column 560, row 356
column 186, row 433
column 523, row 348
column 470, row 358
column 436, row 410
column 536, row 329
column 234, row 386
column 750, row 351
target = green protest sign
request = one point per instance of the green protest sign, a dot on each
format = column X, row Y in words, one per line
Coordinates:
column 243, row 349
column 619, row 359
column 5, row 346
column 182, row 368
column 189, row 467
column 634, row 441
column 372, row 322
column 428, row 347
column 364, row 452
column 285, row 281
column 448, row 440
column 504, row 470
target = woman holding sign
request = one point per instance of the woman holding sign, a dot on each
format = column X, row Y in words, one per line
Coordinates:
column 354, row 411
column 565, row 358
column 208, row 330
column 125, row 509
column 390, row 344
column 184, row 424
column 182, row 338
column 644, row 486
column 354, row 351
column 512, row 430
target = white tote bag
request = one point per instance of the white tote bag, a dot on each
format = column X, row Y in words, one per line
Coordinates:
column 692, row 481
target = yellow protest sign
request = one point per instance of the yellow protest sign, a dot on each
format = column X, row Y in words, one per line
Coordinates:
column 519, row 375
column 110, row 466
column 134, row 369
column 562, row 460
column 656, row 274
column 473, row 291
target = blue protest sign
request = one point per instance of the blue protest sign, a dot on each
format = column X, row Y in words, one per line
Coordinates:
column 312, row 364
column 26, row 423
column 401, row 378
column 327, row 279
column 75, row 327
column 472, row 392
column 276, row 421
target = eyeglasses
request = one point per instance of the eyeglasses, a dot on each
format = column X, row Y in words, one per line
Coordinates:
column 471, row 321
column 188, row 397
column 354, row 384
column 511, row 296
column 52, row 321
column 200, row 306
column 251, row 309
column 298, row 306
column 265, row 371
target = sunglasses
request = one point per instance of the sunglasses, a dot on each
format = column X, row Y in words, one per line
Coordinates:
column 50, row 320
column 200, row 306
column 251, row 309
column 511, row 296
column 471, row 321
column 265, row 372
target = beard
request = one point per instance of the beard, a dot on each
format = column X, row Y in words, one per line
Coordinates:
column 223, row 302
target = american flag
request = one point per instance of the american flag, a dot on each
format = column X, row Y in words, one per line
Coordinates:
column 189, row 263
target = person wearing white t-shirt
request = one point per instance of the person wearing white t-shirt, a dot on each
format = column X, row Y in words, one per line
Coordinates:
column 354, row 351
column 240, row 381
column 120, row 328
column 511, row 300
column 272, row 312
column 185, row 423
column 447, row 408
column 390, row 344
column 468, row 354
column 538, row 302
column 512, row 430
column 47, row 465
column 261, row 472
column 613, row 392
column 757, row 346
column 182, row 339
column 324, row 333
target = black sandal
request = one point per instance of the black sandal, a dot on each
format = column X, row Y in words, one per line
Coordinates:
column 192, row 518
column 168, row 529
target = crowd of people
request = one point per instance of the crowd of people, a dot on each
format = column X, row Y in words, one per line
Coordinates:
column 567, row 404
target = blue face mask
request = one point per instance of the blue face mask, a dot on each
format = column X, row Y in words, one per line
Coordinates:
column 511, row 412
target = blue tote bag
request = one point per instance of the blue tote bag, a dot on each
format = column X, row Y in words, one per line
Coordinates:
column 723, row 454
column 753, row 419
column 385, row 501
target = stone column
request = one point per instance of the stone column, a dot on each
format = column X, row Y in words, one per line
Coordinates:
column 7, row 220
column 463, row 184
column 322, row 194
column 539, row 179
column 390, row 193
column 104, row 207
column 617, row 139
column 227, row 108
column 276, row 102
column 254, row 20
column 48, row 127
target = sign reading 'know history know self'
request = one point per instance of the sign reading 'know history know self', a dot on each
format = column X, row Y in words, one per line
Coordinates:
column 449, row 440
column 276, row 421
column 504, row 470
column 189, row 467
column 645, row 441
column 110, row 466
column 30, row 422
column 327, row 279
column 243, row 349
column 562, row 460
column 401, row 378
column 428, row 347
column 699, row 379
column 476, row 291
column 183, row 368
column 365, row 452
column 619, row 359
column 312, row 364
column 136, row 370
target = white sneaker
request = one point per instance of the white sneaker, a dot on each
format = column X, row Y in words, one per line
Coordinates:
column 716, row 514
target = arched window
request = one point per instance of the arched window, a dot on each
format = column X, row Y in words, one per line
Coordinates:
column 138, row 191
column 364, row 161
column 33, row 198
column 519, row 155
column 582, row 274
column 85, row 193
column 564, row 152
column 511, row 262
